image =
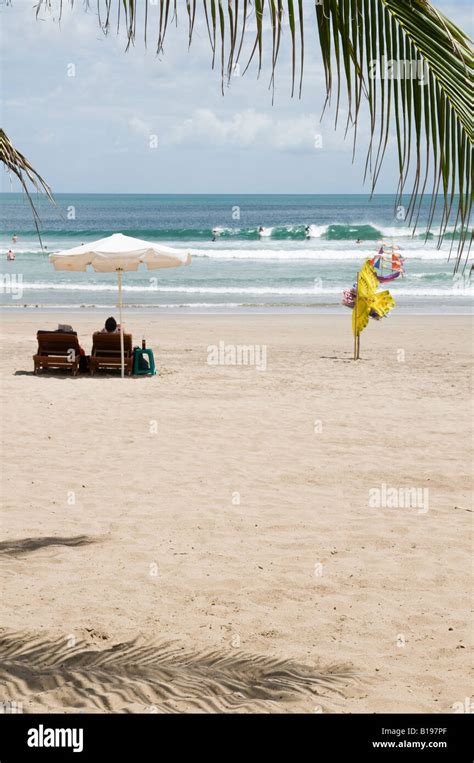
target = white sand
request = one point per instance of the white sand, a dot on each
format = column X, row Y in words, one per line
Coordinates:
column 302, row 569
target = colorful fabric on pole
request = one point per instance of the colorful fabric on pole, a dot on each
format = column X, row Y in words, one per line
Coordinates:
column 368, row 301
column 348, row 297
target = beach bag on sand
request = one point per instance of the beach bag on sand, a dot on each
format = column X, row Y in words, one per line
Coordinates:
column 142, row 363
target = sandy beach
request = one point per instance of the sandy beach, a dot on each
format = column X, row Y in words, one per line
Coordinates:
column 227, row 519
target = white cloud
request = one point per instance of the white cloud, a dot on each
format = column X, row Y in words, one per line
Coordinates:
column 140, row 127
column 250, row 128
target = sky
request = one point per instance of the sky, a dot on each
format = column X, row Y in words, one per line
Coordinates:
column 92, row 118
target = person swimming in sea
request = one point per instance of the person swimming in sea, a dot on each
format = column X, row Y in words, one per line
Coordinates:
column 10, row 255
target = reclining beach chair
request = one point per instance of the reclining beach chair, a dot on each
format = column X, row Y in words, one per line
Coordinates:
column 106, row 352
column 57, row 349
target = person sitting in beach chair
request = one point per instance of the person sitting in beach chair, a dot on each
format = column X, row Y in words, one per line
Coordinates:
column 106, row 351
column 111, row 326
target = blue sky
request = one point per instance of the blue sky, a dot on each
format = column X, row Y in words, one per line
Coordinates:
column 132, row 122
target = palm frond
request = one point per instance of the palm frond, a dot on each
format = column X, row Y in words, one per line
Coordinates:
column 15, row 162
column 433, row 119
column 415, row 68
column 139, row 675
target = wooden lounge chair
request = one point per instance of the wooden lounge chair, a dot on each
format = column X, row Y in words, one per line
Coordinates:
column 57, row 349
column 106, row 351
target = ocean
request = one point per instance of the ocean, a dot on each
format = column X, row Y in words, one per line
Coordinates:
column 278, row 269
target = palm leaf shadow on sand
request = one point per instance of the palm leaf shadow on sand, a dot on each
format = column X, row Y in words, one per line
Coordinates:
column 141, row 676
column 26, row 545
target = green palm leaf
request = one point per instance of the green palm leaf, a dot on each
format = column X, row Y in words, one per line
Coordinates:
column 15, row 162
column 432, row 113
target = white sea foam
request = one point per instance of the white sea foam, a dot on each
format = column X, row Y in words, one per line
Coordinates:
column 451, row 290
column 97, row 306
column 316, row 231
column 223, row 251
column 290, row 255
column 399, row 231
column 146, row 289
column 219, row 230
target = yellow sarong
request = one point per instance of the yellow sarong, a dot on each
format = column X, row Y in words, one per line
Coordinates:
column 368, row 299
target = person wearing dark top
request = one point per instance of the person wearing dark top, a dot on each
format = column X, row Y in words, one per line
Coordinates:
column 111, row 326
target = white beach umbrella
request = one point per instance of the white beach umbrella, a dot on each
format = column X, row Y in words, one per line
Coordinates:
column 119, row 253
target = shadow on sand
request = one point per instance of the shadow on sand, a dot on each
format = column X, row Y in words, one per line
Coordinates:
column 26, row 545
column 161, row 676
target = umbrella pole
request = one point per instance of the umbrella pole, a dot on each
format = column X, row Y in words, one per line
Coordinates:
column 119, row 277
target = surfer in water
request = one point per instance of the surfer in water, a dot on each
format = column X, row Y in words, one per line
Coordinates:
column 307, row 231
column 359, row 241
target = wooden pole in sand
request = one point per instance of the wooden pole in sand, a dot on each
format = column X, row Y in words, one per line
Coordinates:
column 356, row 335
